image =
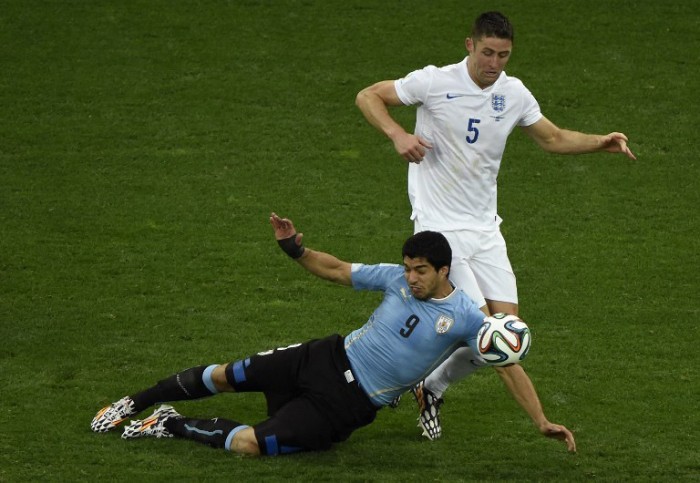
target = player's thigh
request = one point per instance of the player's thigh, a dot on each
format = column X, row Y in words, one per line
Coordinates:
column 274, row 370
column 296, row 426
column 493, row 270
column 464, row 243
column 462, row 276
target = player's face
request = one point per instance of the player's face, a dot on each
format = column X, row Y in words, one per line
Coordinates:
column 488, row 57
column 424, row 281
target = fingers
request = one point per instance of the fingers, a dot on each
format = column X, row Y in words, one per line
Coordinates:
column 415, row 155
column 276, row 221
column 622, row 146
column 412, row 148
column 561, row 433
column 617, row 142
column 568, row 438
column 413, row 158
column 281, row 225
column 618, row 136
column 627, row 151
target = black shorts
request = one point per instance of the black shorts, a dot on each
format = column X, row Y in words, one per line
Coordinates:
column 311, row 402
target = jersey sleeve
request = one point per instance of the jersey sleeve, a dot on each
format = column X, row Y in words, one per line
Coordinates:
column 474, row 319
column 374, row 277
column 413, row 89
column 531, row 109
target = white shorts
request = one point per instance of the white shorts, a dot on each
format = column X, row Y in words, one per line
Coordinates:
column 480, row 265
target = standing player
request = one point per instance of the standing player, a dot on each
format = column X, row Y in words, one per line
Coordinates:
column 466, row 113
column 319, row 392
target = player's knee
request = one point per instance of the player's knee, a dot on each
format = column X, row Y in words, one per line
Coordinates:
column 245, row 442
column 218, row 377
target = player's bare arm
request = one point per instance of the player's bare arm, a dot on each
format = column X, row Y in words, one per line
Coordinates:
column 373, row 101
column 520, row 386
column 321, row 264
column 553, row 139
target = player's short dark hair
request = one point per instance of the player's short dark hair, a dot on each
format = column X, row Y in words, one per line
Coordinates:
column 492, row 24
column 432, row 246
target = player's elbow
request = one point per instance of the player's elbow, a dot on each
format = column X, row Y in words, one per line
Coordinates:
column 382, row 93
column 548, row 142
column 341, row 277
column 554, row 145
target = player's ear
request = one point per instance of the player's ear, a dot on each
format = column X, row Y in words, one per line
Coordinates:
column 444, row 272
column 469, row 43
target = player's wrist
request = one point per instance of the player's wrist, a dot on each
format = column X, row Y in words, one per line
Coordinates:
column 394, row 132
column 291, row 247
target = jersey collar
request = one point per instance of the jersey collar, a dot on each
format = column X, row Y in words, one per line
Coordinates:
column 446, row 297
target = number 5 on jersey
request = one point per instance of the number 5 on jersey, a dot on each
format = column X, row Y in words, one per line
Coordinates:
column 472, row 130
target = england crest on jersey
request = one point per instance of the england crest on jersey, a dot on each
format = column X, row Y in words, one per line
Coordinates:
column 443, row 324
column 498, row 102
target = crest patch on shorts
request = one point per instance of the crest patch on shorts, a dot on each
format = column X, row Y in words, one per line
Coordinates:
column 443, row 324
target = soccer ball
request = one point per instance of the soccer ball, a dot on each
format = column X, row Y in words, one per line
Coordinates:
column 503, row 339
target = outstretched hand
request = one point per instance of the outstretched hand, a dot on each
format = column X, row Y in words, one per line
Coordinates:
column 616, row 142
column 284, row 228
column 557, row 431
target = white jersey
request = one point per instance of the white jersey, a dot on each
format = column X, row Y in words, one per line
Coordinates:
column 454, row 187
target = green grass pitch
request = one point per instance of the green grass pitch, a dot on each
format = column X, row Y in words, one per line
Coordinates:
column 143, row 145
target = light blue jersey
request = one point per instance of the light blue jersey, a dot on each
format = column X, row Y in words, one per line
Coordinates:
column 405, row 339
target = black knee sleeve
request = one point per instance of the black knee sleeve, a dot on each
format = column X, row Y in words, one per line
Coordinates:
column 213, row 432
column 188, row 384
